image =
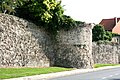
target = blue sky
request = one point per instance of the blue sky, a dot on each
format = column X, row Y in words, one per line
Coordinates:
column 91, row 11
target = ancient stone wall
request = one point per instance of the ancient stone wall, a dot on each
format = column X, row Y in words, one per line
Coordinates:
column 23, row 44
column 106, row 53
column 74, row 47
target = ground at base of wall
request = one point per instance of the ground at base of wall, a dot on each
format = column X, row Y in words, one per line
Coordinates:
column 6, row 73
column 103, row 65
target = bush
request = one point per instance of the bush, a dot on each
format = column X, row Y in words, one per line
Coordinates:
column 46, row 13
column 99, row 33
column 114, row 34
column 8, row 6
column 108, row 36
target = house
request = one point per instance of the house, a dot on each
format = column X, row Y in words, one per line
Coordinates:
column 112, row 24
column 116, row 39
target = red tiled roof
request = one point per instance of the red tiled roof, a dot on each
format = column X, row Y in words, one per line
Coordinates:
column 109, row 24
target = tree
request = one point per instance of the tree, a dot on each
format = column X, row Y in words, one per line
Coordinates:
column 108, row 36
column 67, row 22
column 8, row 6
column 47, row 13
column 40, row 10
column 98, row 33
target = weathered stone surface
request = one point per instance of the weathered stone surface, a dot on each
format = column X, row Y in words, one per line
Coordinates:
column 106, row 53
column 74, row 48
column 23, row 44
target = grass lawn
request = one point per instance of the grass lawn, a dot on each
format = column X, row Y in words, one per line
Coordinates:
column 103, row 65
column 6, row 73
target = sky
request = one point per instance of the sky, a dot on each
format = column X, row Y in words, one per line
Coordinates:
column 91, row 11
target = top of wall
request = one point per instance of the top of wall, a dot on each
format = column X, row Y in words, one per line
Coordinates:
column 78, row 35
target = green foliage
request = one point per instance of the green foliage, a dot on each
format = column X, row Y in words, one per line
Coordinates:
column 67, row 22
column 46, row 13
column 108, row 36
column 8, row 6
column 41, row 10
column 99, row 33
column 114, row 34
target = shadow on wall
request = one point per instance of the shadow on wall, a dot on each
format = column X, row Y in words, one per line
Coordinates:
column 74, row 47
column 45, row 51
column 71, row 56
column 24, row 44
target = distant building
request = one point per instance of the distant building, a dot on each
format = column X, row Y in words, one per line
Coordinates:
column 112, row 24
column 116, row 39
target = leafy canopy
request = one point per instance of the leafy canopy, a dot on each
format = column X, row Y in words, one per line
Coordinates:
column 8, row 6
column 99, row 33
column 45, row 13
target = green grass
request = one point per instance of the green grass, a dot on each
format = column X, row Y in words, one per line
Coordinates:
column 103, row 65
column 6, row 73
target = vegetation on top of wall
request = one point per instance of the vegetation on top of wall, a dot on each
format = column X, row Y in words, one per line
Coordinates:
column 99, row 34
column 115, row 34
column 108, row 36
column 8, row 6
column 45, row 13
